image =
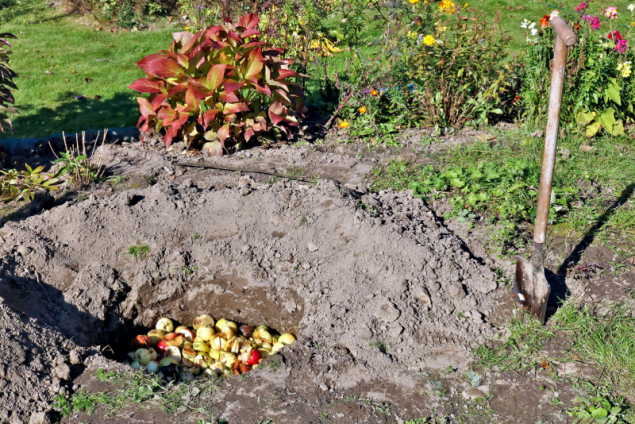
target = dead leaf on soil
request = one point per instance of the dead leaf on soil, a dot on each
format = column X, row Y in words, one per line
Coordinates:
column 587, row 148
column 544, row 364
column 27, row 50
column 48, row 72
column 88, row 80
column 72, row 72
column 485, row 137
column 66, row 79
column 97, row 96
column 631, row 261
column 99, row 28
column 112, row 45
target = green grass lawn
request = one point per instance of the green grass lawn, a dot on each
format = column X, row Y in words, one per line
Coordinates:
column 83, row 61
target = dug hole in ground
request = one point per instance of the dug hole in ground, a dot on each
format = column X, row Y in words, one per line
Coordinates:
column 377, row 291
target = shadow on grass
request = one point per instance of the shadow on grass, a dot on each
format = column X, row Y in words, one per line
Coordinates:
column 14, row 9
column 75, row 115
column 576, row 255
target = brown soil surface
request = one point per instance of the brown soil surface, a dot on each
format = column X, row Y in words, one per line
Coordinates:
column 387, row 300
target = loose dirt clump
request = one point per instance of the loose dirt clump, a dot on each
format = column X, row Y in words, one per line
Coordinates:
column 375, row 288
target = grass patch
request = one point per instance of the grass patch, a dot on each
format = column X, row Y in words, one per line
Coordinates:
column 136, row 388
column 82, row 61
column 602, row 337
column 501, row 178
column 139, row 252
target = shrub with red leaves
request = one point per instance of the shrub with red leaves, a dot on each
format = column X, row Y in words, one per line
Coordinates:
column 219, row 83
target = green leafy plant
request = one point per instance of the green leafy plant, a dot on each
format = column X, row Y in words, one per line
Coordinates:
column 458, row 72
column 217, row 84
column 80, row 168
column 600, row 410
column 6, row 82
column 139, row 252
column 22, row 185
column 598, row 92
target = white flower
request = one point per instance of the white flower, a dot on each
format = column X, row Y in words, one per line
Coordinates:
column 344, row 20
column 554, row 13
column 534, row 31
column 631, row 7
column 533, row 24
column 524, row 23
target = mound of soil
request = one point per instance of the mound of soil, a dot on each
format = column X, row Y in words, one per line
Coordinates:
column 372, row 284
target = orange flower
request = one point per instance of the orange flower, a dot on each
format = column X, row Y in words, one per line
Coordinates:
column 363, row 109
column 344, row 124
column 374, row 93
column 544, row 22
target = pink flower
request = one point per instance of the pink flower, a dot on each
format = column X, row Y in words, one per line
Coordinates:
column 594, row 21
column 610, row 12
column 581, row 7
column 621, row 46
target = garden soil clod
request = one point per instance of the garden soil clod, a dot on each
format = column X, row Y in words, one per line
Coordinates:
column 373, row 277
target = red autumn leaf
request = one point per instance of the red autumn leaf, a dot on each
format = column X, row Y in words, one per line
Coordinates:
column 167, row 115
column 144, row 85
column 145, row 127
column 263, row 89
column 223, row 133
column 208, row 116
column 190, row 98
column 144, row 63
column 248, row 134
column 145, row 107
column 189, row 43
column 248, row 21
column 285, row 73
column 229, row 97
column 249, row 33
column 158, row 101
column 235, row 108
column 276, row 119
column 200, row 89
column 231, row 86
column 215, row 76
column 234, row 36
column 164, row 68
column 179, row 88
column 276, row 107
column 183, row 37
column 183, row 60
column 253, row 64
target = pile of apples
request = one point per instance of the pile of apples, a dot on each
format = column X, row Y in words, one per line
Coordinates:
column 208, row 349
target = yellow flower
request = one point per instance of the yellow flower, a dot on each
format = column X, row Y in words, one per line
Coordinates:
column 374, row 92
column 187, row 28
column 413, row 1
column 625, row 69
column 440, row 28
column 344, row 124
column 363, row 109
column 447, row 7
column 412, row 35
column 465, row 5
column 429, row 40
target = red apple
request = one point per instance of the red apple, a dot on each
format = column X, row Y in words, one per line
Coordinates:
column 141, row 341
column 161, row 346
column 170, row 336
column 254, row 358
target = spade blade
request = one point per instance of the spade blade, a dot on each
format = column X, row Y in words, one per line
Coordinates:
column 531, row 289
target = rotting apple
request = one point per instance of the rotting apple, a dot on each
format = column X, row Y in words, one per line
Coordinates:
column 156, row 336
column 202, row 320
column 254, row 358
column 165, row 324
column 141, row 341
column 161, row 346
column 143, row 356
